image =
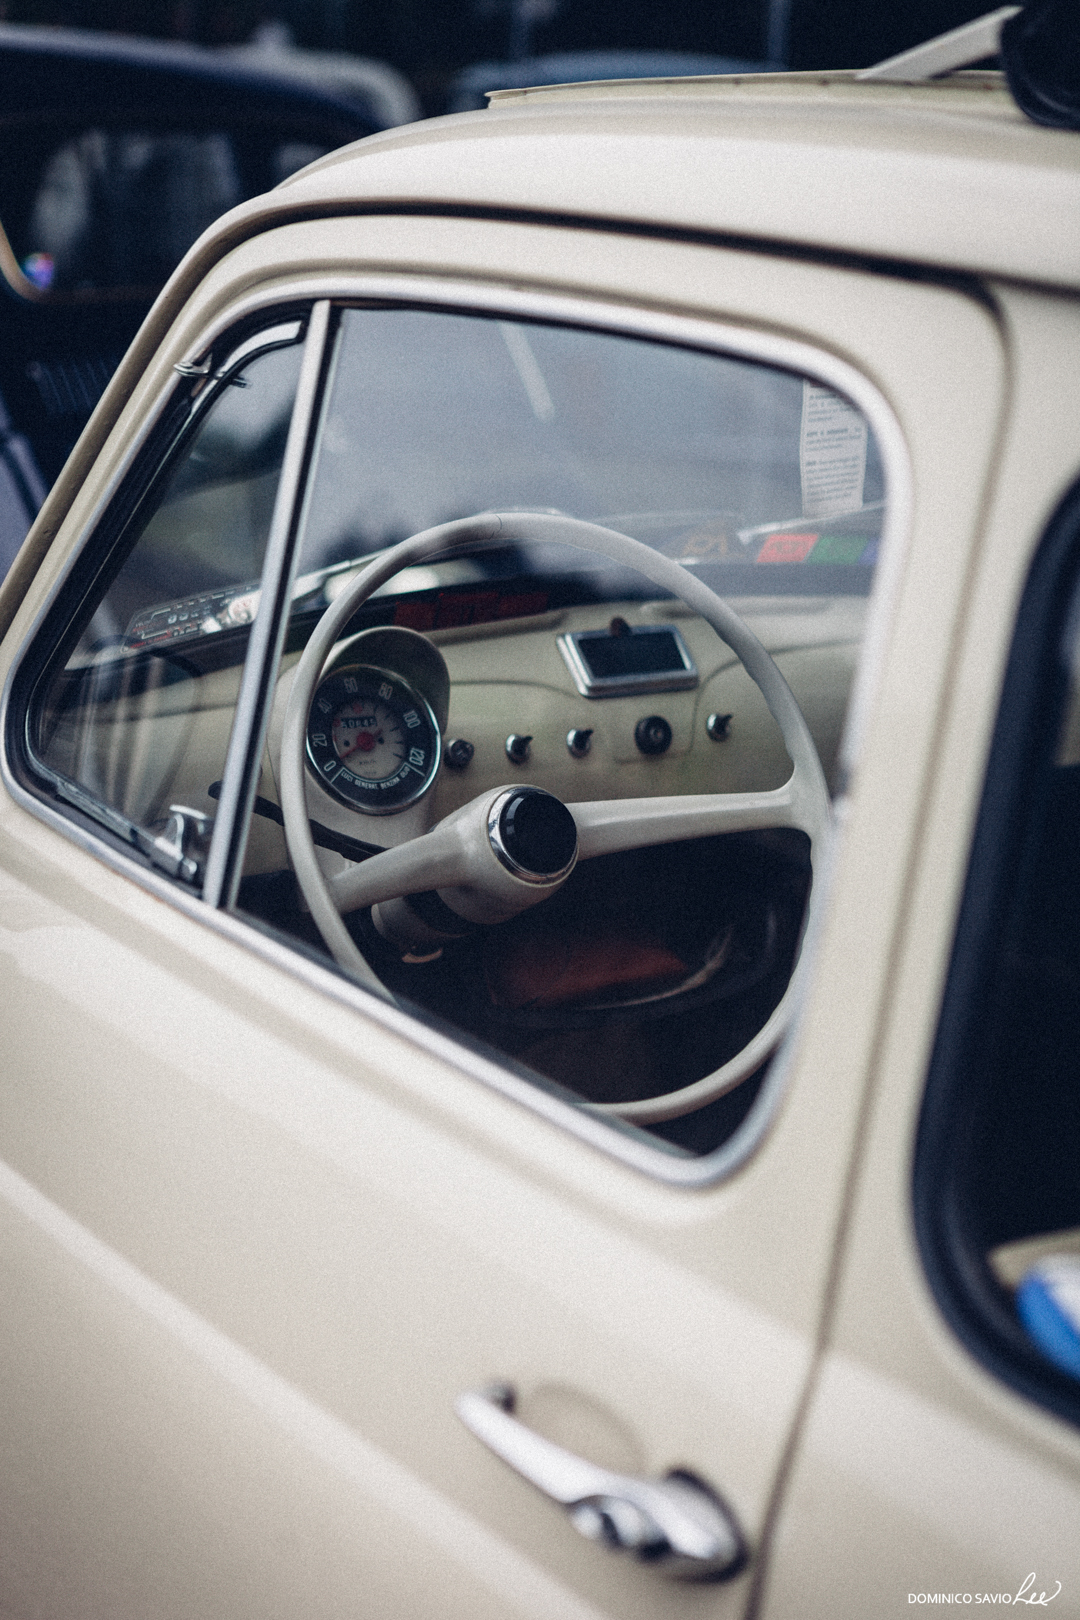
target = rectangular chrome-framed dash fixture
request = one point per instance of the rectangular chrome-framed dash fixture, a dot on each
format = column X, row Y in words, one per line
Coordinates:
column 629, row 661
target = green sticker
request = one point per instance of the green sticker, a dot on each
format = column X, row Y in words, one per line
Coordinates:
column 839, row 548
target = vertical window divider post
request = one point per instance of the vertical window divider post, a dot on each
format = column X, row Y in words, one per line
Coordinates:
column 252, row 719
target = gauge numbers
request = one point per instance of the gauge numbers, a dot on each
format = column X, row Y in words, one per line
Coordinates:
column 371, row 740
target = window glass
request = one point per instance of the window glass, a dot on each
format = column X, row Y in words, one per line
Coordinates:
column 140, row 711
column 653, row 966
column 1029, row 1139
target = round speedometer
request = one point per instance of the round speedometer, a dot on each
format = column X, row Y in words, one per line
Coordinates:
column 371, row 740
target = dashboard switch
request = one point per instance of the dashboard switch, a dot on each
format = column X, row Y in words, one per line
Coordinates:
column 579, row 741
column 653, row 734
column 718, row 726
column 518, row 748
column 459, row 753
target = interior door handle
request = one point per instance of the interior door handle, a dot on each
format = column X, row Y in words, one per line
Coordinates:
column 675, row 1523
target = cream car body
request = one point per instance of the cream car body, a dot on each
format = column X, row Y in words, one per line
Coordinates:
column 260, row 1230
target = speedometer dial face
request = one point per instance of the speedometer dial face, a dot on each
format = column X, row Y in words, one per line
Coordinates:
column 371, row 740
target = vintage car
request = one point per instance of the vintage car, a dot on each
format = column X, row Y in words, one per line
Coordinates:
column 539, row 881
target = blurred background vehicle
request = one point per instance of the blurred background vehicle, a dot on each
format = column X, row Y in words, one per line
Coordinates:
column 375, row 88
column 115, row 154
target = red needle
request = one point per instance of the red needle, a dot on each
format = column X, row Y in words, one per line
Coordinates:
column 365, row 742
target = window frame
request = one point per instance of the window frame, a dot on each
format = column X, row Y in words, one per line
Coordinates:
column 1022, row 749
column 144, row 459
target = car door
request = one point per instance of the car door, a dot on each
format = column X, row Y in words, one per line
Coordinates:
column 940, row 1461
column 263, row 1230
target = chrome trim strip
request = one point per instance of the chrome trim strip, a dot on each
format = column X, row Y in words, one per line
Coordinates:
column 252, row 719
column 269, row 337
column 606, row 313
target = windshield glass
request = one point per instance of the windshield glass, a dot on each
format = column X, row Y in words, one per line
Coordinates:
column 430, row 417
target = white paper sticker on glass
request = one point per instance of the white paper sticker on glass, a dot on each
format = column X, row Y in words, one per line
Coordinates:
column 832, row 453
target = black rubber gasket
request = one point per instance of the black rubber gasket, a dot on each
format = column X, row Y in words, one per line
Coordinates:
column 1040, row 52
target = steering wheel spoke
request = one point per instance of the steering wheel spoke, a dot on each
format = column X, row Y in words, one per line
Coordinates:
column 437, row 859
column 608, row 825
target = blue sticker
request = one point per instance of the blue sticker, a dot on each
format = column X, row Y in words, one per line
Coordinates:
column 1048, row 1300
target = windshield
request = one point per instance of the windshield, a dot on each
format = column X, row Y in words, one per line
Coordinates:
column 710, row 459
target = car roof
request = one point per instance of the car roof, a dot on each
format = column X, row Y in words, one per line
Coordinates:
column 943, row 173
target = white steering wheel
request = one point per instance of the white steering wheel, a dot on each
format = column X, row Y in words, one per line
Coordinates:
column 470, row 858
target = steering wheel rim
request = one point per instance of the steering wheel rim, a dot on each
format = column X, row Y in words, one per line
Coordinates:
column 802, row 802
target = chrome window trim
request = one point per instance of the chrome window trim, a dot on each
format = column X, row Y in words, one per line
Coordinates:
column 251, row 721
column 265, row 339
column 269, row 337
column 600, row 312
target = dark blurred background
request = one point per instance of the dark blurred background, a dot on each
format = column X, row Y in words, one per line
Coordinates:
column 128, row 126
column 430, row 41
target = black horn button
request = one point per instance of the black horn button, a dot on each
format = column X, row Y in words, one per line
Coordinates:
column 533, row 834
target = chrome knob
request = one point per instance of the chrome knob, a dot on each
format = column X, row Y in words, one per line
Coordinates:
column 518, row 748
column 579, row 741
column 180, row 850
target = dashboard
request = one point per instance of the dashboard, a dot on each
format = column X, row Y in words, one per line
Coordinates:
column 513, row 712
column 430, row 717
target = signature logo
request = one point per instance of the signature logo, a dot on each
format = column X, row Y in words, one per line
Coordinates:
column 1038, row 1600
column 1027, row 1595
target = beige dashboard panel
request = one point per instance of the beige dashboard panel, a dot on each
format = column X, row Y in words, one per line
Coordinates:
column 515, row 682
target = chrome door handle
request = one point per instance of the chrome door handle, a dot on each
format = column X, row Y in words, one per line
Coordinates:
column 675, row 1523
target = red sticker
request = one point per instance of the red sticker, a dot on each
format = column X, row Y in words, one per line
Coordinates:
column 787, row 548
